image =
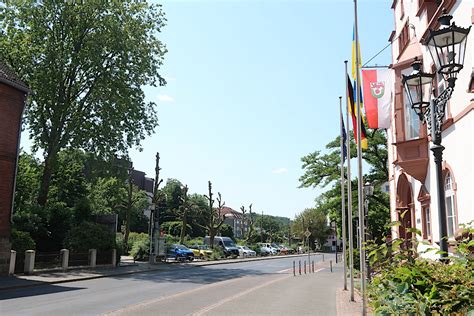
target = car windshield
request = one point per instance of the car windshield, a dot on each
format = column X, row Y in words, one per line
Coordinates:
column 203, row 247
column 246, row 248
column 180, row 247
column 229, row 243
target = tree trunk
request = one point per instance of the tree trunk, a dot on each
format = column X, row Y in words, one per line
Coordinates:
column 212, row 234
column 48, row 169
column 183, row 226
column 128, row 210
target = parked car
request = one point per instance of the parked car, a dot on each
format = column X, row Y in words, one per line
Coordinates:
column 272, row 250
column 266, row 249
column 180, row 252
column 245, row 251
column 226, row 243
column 276, row 247
column 201, row 251
column 284, row 250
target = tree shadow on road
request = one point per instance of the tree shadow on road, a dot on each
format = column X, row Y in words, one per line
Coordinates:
column 36, row 289
column 193, row 274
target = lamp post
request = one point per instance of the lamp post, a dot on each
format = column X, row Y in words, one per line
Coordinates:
column 334, row 226
column 447, row 47
column 368, row 191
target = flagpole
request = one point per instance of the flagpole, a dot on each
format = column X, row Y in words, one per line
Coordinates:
column 349, row 192
column 343, row 199
column 359, row 163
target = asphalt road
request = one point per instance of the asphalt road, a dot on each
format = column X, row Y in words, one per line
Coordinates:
column 248, row 288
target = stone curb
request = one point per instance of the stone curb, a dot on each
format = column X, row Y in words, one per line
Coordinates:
column 39, row 283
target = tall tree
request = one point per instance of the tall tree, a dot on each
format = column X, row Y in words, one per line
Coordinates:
column 314, row 220
column 184, row 213
column 86, row 62
column 215, row 216
column 323, row 170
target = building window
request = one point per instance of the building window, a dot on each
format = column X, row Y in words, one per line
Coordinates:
column 403, row 39
column 450, row 206
column 412, row 121
column 426, row 223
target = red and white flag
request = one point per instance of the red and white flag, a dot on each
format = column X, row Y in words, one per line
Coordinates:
column 377, row 90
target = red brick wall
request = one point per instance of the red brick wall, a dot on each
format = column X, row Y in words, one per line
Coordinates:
column 11, row 107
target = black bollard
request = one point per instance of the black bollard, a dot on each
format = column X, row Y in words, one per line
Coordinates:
column 294, row 268
column 330, row 264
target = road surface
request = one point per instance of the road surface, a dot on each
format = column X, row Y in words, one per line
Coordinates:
column 248, row 288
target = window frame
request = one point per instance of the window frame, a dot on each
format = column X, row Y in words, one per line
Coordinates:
column 450, row 194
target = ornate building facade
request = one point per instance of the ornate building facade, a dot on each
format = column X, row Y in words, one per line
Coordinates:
column 412, row 174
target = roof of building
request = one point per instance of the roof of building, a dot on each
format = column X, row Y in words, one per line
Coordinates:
column 9, row 77
column 229, row 212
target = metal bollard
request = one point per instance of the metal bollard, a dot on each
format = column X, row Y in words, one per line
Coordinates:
column 313, row 265
column 114, row 257
column 64, row 259
column 299, row 266
column 330, row 264
column 11, row 269
column 92, row 257
column 29, row 261
column 323, row 257
column 305, row 267
column 294, row 268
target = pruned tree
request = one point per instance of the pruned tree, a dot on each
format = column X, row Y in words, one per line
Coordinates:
column 184, row 213
column 250, row 223
column 242, row 222
column 215, row 215
column 246, row 219
column 86, row 62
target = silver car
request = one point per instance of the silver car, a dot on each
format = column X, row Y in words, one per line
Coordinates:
column 245, row 251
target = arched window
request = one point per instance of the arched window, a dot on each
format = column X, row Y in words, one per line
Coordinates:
column 450, row 204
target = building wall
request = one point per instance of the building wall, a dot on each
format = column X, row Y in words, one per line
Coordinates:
column 458, row 131
column 11, row 108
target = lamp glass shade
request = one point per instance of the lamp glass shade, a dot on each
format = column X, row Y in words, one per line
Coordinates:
column 447, row 47
column 418, row 87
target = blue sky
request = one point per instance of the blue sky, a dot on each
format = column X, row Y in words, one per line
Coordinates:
column 252, row 87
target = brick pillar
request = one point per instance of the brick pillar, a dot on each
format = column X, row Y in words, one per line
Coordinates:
column 5, row 254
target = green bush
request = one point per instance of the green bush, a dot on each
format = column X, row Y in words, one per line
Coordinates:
column 195, row 241
column 87, row 236
column 141, row 249
column 119, row 245
column 136, row 237
column 217, row 254
column 405, row 285
column 22, row 241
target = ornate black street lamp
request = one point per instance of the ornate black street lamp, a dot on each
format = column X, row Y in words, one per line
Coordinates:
column 447, row 47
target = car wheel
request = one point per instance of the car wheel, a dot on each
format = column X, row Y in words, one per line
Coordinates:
column 191, row 258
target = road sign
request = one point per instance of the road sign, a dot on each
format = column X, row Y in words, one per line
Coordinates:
column 307, row 233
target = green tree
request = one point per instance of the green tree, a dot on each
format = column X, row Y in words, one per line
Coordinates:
column 227, row 231
column 323, row 170
column 86, row 62
column 27, row 182
column 315, row 221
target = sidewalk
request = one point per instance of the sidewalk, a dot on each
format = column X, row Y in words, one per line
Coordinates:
column 126, row 267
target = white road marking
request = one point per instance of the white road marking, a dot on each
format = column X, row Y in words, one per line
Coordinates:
column 233, row 297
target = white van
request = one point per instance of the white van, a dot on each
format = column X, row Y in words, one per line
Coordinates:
column 226, row 243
